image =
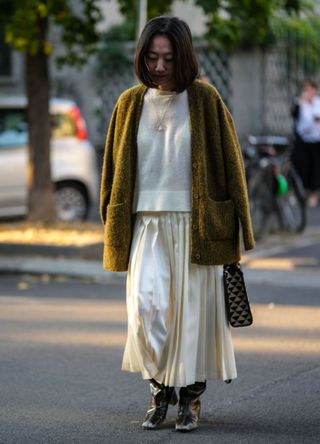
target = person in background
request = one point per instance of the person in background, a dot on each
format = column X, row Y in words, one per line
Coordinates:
column 173, row 197
column 306, row 152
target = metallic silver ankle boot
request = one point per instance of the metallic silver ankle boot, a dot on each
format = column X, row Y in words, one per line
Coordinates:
column 161, row 397
column 189, row 407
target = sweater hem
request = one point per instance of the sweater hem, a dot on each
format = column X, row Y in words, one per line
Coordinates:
column 162, row 200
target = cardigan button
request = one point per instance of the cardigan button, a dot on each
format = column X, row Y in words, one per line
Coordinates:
column 194, row 227
column 197, row 256
column 195, row 165
column 196, row 196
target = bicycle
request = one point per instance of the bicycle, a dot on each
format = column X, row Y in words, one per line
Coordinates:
column 274, row 187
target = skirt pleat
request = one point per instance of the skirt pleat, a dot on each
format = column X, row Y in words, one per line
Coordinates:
column 177, row 327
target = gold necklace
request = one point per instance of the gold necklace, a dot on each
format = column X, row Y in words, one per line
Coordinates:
column 159, row 118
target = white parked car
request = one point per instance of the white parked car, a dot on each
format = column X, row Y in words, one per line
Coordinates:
column 73, row 160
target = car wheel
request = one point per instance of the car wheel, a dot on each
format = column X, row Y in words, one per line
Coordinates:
column 71, row 201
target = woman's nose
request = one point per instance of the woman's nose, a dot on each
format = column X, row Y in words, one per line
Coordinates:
column 160, row 66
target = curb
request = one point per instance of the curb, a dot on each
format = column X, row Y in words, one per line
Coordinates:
column 87, row 252
column 92, row 271
column 60, row 267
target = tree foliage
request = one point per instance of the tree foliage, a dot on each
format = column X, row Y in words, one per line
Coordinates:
column 231, row 23
column 78, row 26
column 111, row 58
column 301, row 36
column 247, row 23
column 155, row 8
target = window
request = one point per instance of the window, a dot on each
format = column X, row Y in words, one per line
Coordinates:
column 13, row 128
column 62, row 125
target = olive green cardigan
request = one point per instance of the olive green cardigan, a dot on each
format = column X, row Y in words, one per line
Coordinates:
column 219, row 194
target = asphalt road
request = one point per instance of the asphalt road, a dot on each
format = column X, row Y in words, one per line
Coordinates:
column 61, row 345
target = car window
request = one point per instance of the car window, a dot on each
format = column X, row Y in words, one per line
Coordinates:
column 13, row 128
column 62, row 125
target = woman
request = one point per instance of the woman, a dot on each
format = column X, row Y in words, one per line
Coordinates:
column 173, row 194
column 306, row 153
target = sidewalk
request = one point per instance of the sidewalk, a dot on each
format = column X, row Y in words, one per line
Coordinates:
column 72, row 268
column 85, row 262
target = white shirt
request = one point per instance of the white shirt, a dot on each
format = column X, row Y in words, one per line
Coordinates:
column 307, row 127
column 163, row 181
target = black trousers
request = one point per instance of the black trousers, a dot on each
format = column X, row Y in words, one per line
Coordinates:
column 306, row 159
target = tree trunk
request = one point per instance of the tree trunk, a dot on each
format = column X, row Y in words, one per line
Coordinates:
column 41, row 201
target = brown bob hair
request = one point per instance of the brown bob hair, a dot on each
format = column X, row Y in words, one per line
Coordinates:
column 309, row 82
column 186, row 68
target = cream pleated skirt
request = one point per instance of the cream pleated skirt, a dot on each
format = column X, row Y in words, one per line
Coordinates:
column 177, row 327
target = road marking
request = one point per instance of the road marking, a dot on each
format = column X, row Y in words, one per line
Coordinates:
column 279, row 263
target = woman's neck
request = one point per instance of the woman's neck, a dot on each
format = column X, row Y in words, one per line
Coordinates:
column 168, row 87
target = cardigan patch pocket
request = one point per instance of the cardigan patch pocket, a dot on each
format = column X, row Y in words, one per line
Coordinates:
column 218, row 219
column 116, row 224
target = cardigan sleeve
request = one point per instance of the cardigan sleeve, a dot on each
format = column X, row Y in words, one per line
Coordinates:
column 235, row 173
column 107, row 167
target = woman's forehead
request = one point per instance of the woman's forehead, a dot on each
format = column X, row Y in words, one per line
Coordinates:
column 161, row 44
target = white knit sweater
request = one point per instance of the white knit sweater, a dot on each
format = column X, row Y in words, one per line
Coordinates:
column 163, row 181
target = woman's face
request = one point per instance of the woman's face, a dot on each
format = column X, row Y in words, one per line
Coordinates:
column 160, row 63
column 309, row 92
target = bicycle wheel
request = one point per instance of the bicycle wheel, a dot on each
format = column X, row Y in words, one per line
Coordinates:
column 292, row 211
column 261, row 201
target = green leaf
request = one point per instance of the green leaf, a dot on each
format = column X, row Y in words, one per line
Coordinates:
column 26, row 26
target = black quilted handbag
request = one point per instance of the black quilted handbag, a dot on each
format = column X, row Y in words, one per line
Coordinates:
column 235, row 292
